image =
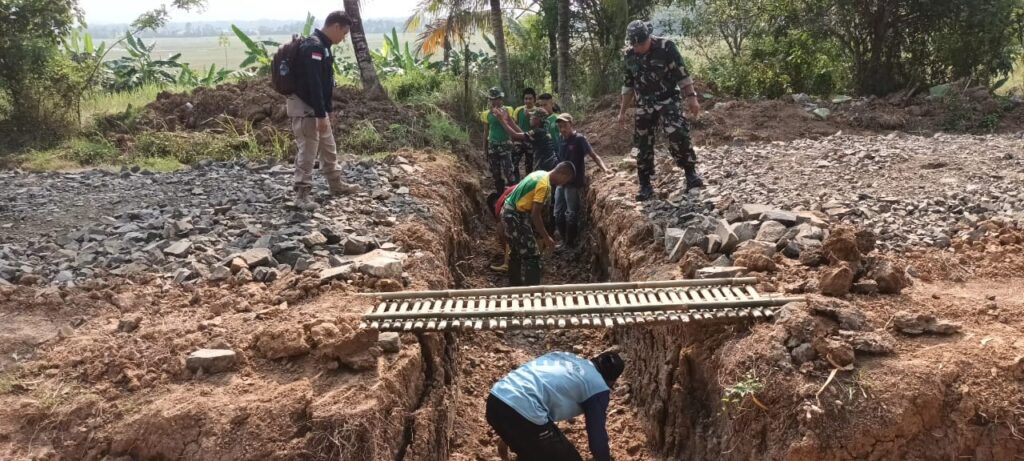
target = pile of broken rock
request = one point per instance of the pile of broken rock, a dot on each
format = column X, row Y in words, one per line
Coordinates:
column 216, row 222
column 751, row 238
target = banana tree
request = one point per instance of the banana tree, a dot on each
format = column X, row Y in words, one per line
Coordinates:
column 139, row 68
column 213, row 76
column 395, row 57
column 257, row 56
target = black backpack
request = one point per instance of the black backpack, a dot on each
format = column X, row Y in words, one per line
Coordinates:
column 284, row 66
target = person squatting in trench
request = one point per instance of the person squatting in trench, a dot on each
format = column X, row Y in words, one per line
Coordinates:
column 654, row 74
column 524, row 406
column 523, row 216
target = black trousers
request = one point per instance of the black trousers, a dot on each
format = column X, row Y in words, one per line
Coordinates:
column 527, row 440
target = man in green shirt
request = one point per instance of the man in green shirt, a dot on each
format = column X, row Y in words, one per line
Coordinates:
column 548, row 103
column 523, row 215
column 497, row 143
column 522, row 117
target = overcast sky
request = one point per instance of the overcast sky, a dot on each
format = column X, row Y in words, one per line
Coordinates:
column 120, row 11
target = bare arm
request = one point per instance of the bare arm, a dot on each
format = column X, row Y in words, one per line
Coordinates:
column 625, row 102
column 597, row 159
column 513, row 131
column 537, row 216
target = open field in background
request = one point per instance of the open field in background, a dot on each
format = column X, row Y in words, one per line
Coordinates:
column 200, row 52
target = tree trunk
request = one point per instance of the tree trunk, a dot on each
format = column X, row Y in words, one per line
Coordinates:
column 448, row 39
column 367, row 71
column 550, row 9
column 564, row 83
column 499, row 45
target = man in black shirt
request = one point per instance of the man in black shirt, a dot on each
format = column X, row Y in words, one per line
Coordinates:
column 310, row 109
column 539, row 138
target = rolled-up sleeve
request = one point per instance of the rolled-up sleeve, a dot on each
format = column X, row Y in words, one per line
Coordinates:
column 629, row 79
column 676, row 65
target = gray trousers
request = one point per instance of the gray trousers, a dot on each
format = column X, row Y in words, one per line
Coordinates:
column 311, row 145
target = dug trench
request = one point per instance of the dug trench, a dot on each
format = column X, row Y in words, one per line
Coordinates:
column 310, row 385
column 847, row 377
column 844, row 377
column 743, row 390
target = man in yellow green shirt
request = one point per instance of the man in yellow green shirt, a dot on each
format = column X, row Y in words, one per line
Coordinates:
column 523, row 215
column 497, row 143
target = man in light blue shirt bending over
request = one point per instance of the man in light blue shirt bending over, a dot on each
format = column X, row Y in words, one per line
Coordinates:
column 524, row 406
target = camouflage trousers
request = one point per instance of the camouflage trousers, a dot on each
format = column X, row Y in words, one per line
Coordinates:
column 675, row 127
column 523, row 152
column 499, row 158
column 524, row 254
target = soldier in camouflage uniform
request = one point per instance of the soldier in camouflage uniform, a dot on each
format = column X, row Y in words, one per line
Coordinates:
column 523, row 215
column 655, row 73
column 497, row 144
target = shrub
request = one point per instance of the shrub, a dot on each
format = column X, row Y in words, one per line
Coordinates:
column 188, row 148
column 415, row 84
column 443, row 131
column 364, row 138
column 89, row 152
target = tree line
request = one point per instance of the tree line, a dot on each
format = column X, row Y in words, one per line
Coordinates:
column 573, row 48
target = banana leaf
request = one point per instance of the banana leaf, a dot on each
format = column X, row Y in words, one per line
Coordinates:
column 251, row 45
column 307, row 29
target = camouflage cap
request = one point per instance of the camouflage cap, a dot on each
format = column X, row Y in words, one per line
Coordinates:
column 495, row 93
column 539, row 113
column 638, row 32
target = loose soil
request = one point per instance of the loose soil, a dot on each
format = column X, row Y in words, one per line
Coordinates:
column 309, row 385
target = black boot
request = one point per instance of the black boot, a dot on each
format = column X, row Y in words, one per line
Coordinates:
column 515, row 271
column 646, row 190
column 693, row 179
column 533, row 273
column 562, row 229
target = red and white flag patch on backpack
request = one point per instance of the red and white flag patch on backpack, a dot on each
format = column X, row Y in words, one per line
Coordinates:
column 318, row 56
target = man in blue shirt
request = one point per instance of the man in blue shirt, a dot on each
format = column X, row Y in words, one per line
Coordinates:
column 574, row 148
column 524, row 405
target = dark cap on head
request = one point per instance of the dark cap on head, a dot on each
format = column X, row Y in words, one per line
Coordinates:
column 495, row 93
column 610, row 365
column 638, row 32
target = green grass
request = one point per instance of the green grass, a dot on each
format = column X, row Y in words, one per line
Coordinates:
column 158, row 164
column 1016, row 81
column 102, row 103
column 46, row 160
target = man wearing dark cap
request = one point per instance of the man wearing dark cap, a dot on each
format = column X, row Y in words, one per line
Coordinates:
column 524, row 406
column 657, row 81
column 497, row 144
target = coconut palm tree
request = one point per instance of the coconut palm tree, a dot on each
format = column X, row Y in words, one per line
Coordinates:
column 498, row 28
column 452, row 17
column 367, row 71
column 564, row 82
column 452, row 22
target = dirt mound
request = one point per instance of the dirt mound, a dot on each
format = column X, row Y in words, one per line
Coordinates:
column 974, row 110
column 251, row 108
